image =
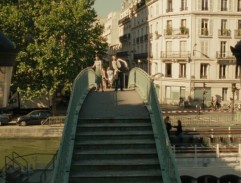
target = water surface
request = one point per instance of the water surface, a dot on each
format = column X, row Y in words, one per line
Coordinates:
column 38, row 152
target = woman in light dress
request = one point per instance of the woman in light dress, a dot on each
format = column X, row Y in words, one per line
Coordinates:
column 98, row 72
column 110, row 76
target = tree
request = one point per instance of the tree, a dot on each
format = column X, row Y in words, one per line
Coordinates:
column 56, row 40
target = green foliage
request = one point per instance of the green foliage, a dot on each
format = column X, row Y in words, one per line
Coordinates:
column 56, row 40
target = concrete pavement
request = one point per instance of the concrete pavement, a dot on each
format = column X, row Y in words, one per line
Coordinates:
column 110, row 104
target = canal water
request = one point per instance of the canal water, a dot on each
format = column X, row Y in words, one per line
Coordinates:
column 37, row 152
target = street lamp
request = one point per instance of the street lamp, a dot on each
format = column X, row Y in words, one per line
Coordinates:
column 204, row 93
column 139, row 63
column 234, row 88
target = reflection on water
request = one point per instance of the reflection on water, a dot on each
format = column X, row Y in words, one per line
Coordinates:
column 41, row 150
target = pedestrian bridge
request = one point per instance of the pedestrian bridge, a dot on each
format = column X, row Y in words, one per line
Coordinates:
column 114, row 136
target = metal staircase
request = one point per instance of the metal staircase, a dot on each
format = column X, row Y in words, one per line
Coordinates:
column 110, row 150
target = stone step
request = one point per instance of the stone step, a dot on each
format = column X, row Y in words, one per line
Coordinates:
column 117, row 133
column 113, row 142
column 133, row 176
column 115, row 164
column 117, row 156
column 114, row 128
column 111, row 121
column 114, row 124
column 114, row 136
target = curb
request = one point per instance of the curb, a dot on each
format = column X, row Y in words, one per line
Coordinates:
column 194, row 111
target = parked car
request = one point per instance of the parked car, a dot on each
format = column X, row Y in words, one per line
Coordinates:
column 33, row 118
column 4, row 119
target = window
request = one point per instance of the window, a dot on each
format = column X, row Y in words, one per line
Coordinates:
column 204, row 27
column 223, row 49
column 182, row 70
column 224, row 5
column 237, row 72
column 224, row 94
column 203, row 71
column 204, row 49
column 169, row 6
column 156, row 68
column 168, row 48
column 183, row 5
column 222, row 71
column 223, row 25
column 239, row 28
column 239, row 5
column 204, row 5
column 239, row 24
column 183, row 49
column 168, row 70
column 183, row 22
column 169, row 27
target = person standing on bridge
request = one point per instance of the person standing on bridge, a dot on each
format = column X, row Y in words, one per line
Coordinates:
column 98, row 72
column 179, row 130
column 119, row 67
column 168, row 125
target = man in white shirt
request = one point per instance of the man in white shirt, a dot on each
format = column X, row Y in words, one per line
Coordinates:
column 118, row 71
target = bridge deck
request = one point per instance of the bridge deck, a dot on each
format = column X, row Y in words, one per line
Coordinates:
column 110, row 104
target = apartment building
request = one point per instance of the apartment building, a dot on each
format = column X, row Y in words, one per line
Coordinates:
column 187, row 43
column 111, row 33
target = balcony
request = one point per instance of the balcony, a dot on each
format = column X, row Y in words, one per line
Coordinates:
column 176, row 54
column 169, row 10
column 237, row 34
column 122, row 54
column 150, row 1
column 141, row 56
column 183, row 8
column 124, row 20
column 224, row 33
column 221, row 55
column 205, row 32
column 171, row 33
column 141, row 4
column 124, row 38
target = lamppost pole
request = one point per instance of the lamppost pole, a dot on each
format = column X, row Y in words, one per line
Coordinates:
column 234, row 88
column 204, row 93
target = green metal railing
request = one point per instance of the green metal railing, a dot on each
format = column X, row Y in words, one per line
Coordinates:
column 83, row 83
column 142, row 82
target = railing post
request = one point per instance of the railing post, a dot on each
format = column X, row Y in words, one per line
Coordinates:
column 195, row 155
column 217, row 151
column 239, row 154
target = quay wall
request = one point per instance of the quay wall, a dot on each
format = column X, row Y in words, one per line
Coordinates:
column 30, row 131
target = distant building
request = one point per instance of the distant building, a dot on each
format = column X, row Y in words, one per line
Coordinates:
column 187, row 43
column 7, row 58
column 111, row 32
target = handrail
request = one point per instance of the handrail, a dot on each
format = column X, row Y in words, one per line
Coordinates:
column 21, row 157
column 142, row 82
column 53, row 120
column 43, row 175
column 83, row 83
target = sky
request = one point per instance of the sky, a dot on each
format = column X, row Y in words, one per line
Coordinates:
column 104, row 7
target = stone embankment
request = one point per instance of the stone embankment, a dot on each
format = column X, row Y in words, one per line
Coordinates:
column 31, row 131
